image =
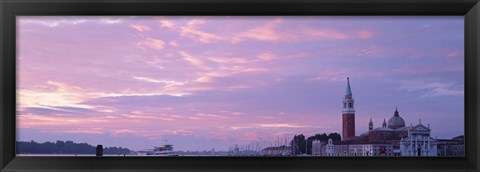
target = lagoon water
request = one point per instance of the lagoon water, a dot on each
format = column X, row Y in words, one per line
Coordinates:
column 67, row 155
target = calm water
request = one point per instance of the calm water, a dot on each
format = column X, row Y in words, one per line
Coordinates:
column 84, row 155
column 67, row 155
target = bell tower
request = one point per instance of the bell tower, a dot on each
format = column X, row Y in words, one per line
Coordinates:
column 348, row 114
column 370, row 125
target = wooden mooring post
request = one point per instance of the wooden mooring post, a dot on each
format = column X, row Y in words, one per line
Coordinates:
column 99, row 150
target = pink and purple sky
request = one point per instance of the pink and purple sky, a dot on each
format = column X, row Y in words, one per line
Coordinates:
column 213, row 82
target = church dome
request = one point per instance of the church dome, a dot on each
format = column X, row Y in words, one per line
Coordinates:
column 396, row 121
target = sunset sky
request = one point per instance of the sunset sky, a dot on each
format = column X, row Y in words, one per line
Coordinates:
column 213, row 82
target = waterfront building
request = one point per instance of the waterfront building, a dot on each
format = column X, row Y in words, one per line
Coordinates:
column 329, row 148
column 390, row 132
column 277, row 151
column 418, row 142
column 371, row 149
column 317, row 148
column 451, row 147
column 341, row 149
column 454, row 147
column 356, row 148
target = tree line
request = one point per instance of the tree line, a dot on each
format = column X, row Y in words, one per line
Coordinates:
column 300, row 145
column 61, row 147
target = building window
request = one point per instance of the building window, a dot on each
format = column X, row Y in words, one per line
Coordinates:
column 350, row 105
column 344, row 105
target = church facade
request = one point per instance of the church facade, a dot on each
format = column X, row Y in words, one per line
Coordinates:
column 418, row 142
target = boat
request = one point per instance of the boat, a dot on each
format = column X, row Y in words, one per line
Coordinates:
column 165, row 150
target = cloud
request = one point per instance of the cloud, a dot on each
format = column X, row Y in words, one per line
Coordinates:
column 152, row 43
column 280, row 126
column 265, row 32
column 429, row 69
column 228, row 60
column 173, row 93
column 325, row 33
column 42, row 111
column 242, row 60
column 61, row 95
column 65, row 97
column 272, row 125
column 33, row 120
column 332, row 75
column 51, row 21
column 266, row 117
column 174, row 44
column 237, row 113
column 75, row 131
column 204, row 79
column 432, row 89
column 110, row 20
column 147, row 117
column 123, row 132
column 196, row 22
column 193, row 61
column 241, row 69
column 151, row 80
column 298, row 55
column 140, row 28
column 455, row 54
column 266, row 57
column 167, row 23
column 211, row 115
column 363, row 34
column 335, row 34
column 370, row 51
column 177, row 132
column 191, row 30
column 56, row 111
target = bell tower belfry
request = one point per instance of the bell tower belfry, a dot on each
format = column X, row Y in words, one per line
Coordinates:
column 348, row 114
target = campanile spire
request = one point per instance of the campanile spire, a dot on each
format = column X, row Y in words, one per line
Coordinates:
column 348, row 113
column 348, row 101
column 348, row 92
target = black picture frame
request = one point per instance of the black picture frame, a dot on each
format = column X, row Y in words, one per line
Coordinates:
column 470, row 9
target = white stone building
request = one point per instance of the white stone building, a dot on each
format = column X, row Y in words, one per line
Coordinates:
column 418, row 142
column 317, row 148
column 371, row 149
column 329, row 150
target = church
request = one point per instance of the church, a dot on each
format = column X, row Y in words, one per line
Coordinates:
column 405, row 140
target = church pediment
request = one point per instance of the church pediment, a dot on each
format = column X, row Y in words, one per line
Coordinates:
column 420, row 128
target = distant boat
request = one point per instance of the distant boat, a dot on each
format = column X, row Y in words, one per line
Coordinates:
column 165, row 150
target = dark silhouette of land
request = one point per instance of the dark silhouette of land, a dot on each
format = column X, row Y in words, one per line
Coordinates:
column 61, row 147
